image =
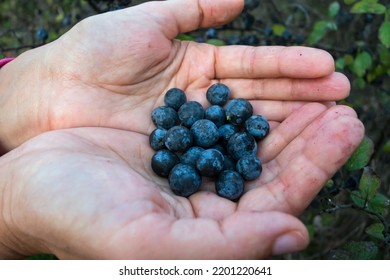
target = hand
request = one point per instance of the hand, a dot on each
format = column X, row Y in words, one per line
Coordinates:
column 111, row 70
column 90, row 193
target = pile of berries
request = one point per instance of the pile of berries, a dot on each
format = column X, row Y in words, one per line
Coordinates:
column 219, row 142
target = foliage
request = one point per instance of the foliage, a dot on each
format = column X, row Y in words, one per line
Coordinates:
column 349, row 218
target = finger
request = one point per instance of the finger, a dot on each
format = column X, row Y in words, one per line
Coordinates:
column 288, row 130
column 333, row 87
column 180, row 16
column 305, row 165
column 272, row 62
column 243, row 235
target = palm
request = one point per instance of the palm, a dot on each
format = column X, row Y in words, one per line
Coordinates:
column 112, row 205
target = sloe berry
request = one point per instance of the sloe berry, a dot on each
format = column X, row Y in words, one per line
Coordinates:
column 216, row 114
column 249, row 167
column 157, row 139
column 205, row 133
column 210, row 163
column 257, row 126
column 218, row 94
column 165, row 117
column 178, row 139
column 238, row 111
column 163, row 161
column 241, row 144
column 191, row 155
column 229, row 185
column 175, row 98
column 184, row 180
column 190, row 112
column 226, row 131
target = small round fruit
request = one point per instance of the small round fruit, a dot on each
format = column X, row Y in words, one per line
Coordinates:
column 249, row 167
column 216, row 114
column 184, row 180
column 165, row 117
column 241, row 144
column 257, row 126
column 175, row 98
column 218, row 94
column 229, row 185
column 163, row 161
column 205, row 133
column 178, row 139
column 191, row 155
column 238, row 111
column 210, row 163
column 190, row 112
column 157, row 139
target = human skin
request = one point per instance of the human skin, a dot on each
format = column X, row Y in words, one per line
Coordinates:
column 76, row 179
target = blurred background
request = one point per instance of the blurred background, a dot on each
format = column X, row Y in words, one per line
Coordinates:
column 349, row 218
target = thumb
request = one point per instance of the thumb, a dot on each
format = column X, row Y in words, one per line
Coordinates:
column 179, row 16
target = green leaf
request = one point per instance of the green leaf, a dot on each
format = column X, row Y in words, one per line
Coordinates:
column 333, row 9
column 386, row 147
column 185, row 37
column 340, row 63
column 216, row 42
column 361, row 64
column 384, row 33
column 368, row 6
column 278, row 29
column 319, row 31
column 369, row 184
column 379, row 204
column 362, row 250
column 357, row 199
column 361, row 156
column 376, row 231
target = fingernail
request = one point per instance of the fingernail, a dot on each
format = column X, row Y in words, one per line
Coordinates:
column 290, row 242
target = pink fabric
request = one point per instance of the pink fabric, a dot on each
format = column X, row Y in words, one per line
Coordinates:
column 6, row 60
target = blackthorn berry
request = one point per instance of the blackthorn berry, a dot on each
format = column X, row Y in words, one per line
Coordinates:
column 42, row 34
column 165, row 117
column 163, row 161
column 190, row 112
column 226, row 131
column 184, row 180
column 257, row 126
column 175, row 98
column 229, row 185
column 218, row 94
column 238, row 111
column 157, row 139
column 205, row 133
column 241, row 144
column 210, row 163
column 249, row 167
column 216, row 114
column 178, row 139
column 191, row 155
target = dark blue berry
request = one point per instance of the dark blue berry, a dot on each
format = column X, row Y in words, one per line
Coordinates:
column 257, row 126
column 229, row 163
column 249, row 167
column 210, row 163
column 42, row 34
column 238, row 111
column 211, row 33
column 190, row 112
column 241, row 144
column 165, row 117
column 229, row 185
column 191, row 155
column 178, row 139
column 163, row 161
column 205, row 133
column 184, row 180
column 218, row 94
column 216, row 114
column 226, row 131
column 157, row 139
column 175, row 98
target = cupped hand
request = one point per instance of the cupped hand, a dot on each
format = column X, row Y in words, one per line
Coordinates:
column 90, row 193
column 111, row 70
